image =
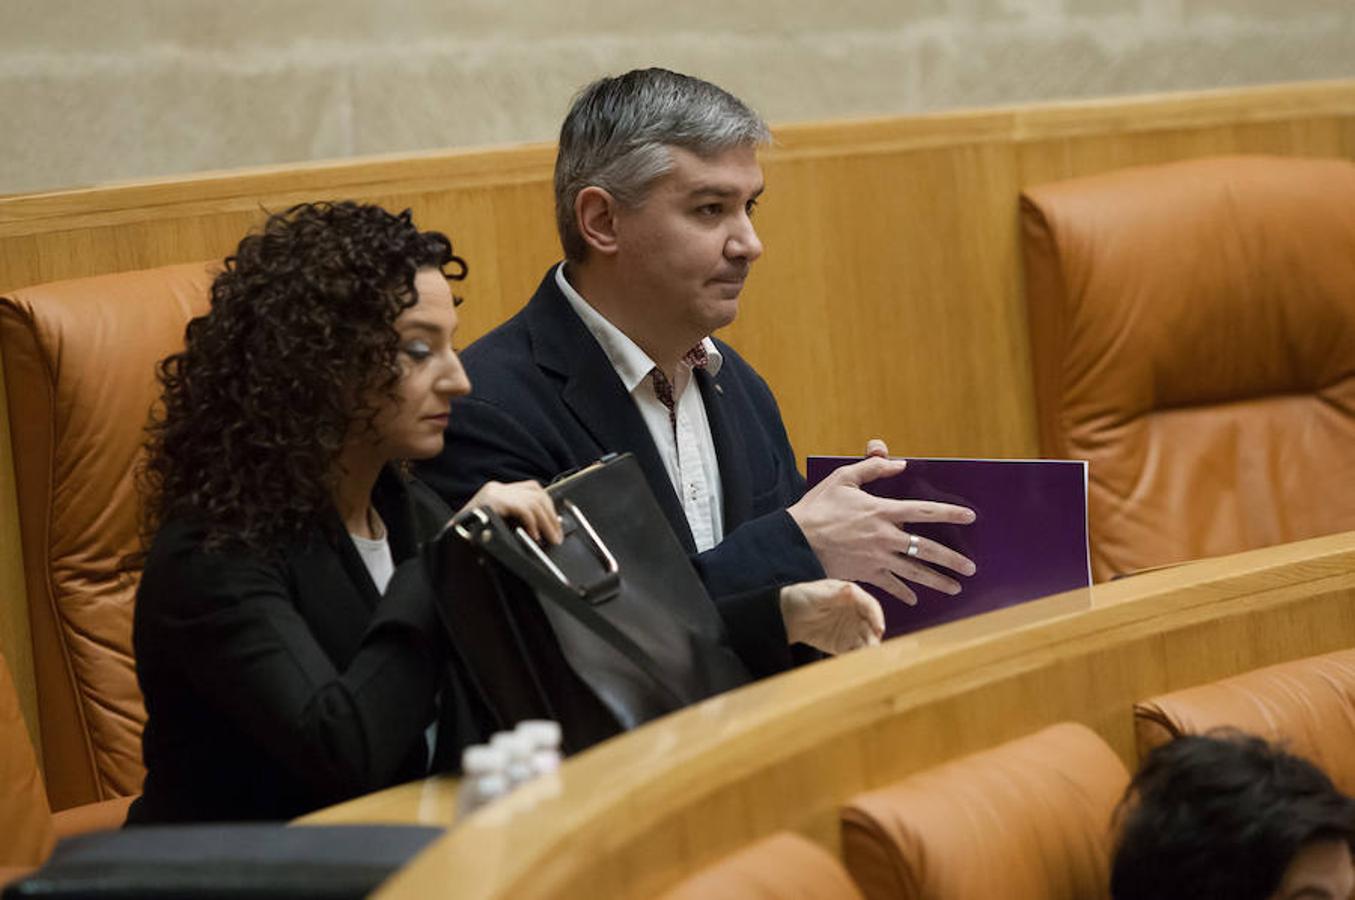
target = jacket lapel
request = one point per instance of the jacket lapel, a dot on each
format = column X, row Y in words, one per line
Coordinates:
column 334, row 593
column 735, row 480
column 391, row 500
column 591, row 390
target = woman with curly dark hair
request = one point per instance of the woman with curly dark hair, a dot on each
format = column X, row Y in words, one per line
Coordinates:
column 286, row 638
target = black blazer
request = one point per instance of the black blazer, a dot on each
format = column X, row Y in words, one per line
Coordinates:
column 274, row 687
column 545, row 400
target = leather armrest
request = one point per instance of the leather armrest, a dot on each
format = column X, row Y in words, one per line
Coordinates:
column 98, row 816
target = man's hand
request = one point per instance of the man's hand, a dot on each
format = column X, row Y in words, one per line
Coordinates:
column 860, row 537
column 832, row 616
column 525, row 502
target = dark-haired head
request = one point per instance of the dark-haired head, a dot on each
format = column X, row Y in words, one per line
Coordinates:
column 1229, row 815
column 298, row 353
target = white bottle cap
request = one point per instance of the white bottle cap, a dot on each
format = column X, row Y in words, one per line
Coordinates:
column 513, row 745
column 481, row 759
column 544, row 734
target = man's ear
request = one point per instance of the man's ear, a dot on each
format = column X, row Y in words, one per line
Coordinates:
column 595, row 209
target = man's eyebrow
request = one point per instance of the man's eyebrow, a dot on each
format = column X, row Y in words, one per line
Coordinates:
column 721, row 191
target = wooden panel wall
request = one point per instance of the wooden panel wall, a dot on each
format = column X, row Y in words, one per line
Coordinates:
column 888, row 302
column 889, row 298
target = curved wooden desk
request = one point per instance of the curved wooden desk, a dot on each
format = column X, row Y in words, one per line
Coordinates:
column 634, row 814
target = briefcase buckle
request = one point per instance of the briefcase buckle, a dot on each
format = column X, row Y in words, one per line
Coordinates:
column 606, row 586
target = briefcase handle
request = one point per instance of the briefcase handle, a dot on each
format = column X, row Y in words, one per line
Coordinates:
column 604, row 588
column 607, row 584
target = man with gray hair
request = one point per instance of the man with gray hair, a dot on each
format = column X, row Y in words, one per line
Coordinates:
column 655, row 185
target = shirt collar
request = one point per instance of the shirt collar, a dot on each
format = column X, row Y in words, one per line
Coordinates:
column 631, row 363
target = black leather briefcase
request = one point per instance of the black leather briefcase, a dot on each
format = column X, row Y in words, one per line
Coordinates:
column 603, row 632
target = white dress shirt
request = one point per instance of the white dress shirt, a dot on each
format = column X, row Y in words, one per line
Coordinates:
column 687, row 448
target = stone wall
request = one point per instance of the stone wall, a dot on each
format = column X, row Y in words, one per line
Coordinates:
column 113, row 89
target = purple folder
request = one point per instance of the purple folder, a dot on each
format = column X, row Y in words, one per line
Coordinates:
column 1029, row 539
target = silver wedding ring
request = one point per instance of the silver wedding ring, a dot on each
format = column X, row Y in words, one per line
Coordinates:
column 912, row 545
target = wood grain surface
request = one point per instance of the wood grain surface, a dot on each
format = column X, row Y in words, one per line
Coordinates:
column 639, row 812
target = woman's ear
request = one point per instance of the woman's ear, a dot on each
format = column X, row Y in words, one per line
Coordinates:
column 595, row 209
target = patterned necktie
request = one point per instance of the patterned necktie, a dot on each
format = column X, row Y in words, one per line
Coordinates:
column 663, row 388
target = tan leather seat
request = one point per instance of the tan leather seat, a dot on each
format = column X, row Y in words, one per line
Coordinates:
column 25, row 817
column 780, row 867
column 1193, row 336
column 1308, row 705
column 26, row 821
column 79, row 361
column 1027, row 820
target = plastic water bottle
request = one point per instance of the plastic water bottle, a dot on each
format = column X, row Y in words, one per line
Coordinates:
column 484, row 778
column 518, row 751
column 544, row 737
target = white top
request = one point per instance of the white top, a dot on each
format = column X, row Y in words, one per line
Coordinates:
column 688, row 452
column 376, row 556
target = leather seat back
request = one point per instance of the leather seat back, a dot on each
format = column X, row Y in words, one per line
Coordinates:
column 1027, row 820
column 1307, row 705
column 783, row 866
column 1193, row 336
column 79, row 362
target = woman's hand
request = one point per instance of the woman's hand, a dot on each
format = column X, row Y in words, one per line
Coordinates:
column 832, row 616
column 525, row 502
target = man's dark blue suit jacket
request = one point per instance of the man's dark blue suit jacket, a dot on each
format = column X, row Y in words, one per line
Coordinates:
column 545, row 400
